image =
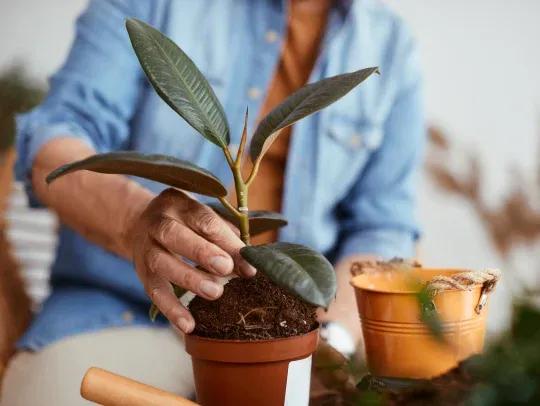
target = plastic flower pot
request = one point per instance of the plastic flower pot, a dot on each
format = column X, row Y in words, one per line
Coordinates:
column 398, row 344
column 263, row 373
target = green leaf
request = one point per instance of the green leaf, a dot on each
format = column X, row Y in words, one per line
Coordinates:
column 179, row 82
column 259, row 221
column 305, row 101
column 160, row 168
column 299, row 269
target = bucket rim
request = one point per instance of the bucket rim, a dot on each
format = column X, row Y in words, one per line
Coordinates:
column 412, row 291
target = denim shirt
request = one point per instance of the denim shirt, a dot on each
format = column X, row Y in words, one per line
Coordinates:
column 351, row 169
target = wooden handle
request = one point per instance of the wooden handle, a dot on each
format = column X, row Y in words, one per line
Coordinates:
column 108, row 389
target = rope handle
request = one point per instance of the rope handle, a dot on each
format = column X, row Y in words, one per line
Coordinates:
column 466, row 280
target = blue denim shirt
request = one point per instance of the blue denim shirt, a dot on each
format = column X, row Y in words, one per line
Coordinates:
column 351, row 169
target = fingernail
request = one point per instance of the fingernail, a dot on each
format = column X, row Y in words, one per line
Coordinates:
column 210, row 289
column 185, row 325
column 221, row 265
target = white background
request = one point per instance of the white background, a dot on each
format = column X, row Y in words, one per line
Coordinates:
column 482, row 62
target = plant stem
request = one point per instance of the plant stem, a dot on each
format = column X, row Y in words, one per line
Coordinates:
column 243, row 140
column 229, row 206
column 228, row 157
column 242, row 198
column 253, row 173
column 241, row 190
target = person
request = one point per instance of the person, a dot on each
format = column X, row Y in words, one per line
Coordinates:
column 345, row 177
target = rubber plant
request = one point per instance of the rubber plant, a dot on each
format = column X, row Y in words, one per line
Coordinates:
column 177, row 80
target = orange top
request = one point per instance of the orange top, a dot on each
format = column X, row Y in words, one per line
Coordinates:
column 305, row 28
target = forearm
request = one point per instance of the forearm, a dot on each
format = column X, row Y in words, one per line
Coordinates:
column 99, row 207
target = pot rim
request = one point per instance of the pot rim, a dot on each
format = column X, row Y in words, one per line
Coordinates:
column 410, row 291
column 252, row 352
column 222, row 340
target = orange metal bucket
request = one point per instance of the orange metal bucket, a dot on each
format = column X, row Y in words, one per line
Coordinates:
column 398, row 344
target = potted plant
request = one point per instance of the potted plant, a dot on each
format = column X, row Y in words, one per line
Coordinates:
column 254, row 344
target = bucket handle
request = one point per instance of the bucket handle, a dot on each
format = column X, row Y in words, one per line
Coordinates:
column 487, row 288
column 481, row 302
column 465, row 281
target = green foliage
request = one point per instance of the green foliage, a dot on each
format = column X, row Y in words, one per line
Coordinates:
column 183, row 87
column 179, row 82
column 305, row 101
column 160, row 168
column 17, row 95
column 298, row 269
column 509, row 372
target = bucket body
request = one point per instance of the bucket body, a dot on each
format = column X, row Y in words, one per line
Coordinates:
column 397, row 342
column 263, row 373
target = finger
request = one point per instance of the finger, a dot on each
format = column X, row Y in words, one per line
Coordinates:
column 205, row 222
column 233, row 228
column 180, row 239
column 161, row 293
column 167, row 266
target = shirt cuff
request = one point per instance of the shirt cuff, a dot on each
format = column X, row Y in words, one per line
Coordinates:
column 387, row 244
column 30, row 139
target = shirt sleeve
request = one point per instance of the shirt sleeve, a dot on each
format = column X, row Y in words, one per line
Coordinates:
column 378, row 214
column 94, row 95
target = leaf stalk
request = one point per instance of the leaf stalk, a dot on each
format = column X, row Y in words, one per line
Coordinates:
column 241, row 188
column 243, row 140
column 230, row 207
column 242, row 198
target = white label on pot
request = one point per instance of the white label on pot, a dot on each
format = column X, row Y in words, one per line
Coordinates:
column 298, row 377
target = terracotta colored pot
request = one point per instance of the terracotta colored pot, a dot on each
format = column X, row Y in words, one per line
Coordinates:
column 263, row 373
column 398, row 344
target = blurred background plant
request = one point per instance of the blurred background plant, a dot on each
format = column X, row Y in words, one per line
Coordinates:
column 516, row 219
column 18, row 93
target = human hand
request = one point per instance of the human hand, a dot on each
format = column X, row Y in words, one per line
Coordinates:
column 175, row 226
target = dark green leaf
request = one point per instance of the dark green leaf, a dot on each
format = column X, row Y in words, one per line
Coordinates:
column 299, row 269
column 259, row 221
column 179, row 82
column 160, row 168
column 305, row 101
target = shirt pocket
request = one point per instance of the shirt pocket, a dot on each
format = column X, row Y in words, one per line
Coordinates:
column 348, row 143
column 354, row 134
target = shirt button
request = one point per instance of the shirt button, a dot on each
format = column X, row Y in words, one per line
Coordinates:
column 355, row 140
column 271, row 36
column 254, row 93
column 128, row 316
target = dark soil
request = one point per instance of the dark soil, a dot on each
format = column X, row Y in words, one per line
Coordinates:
column 252, row 309
column 451, row 389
